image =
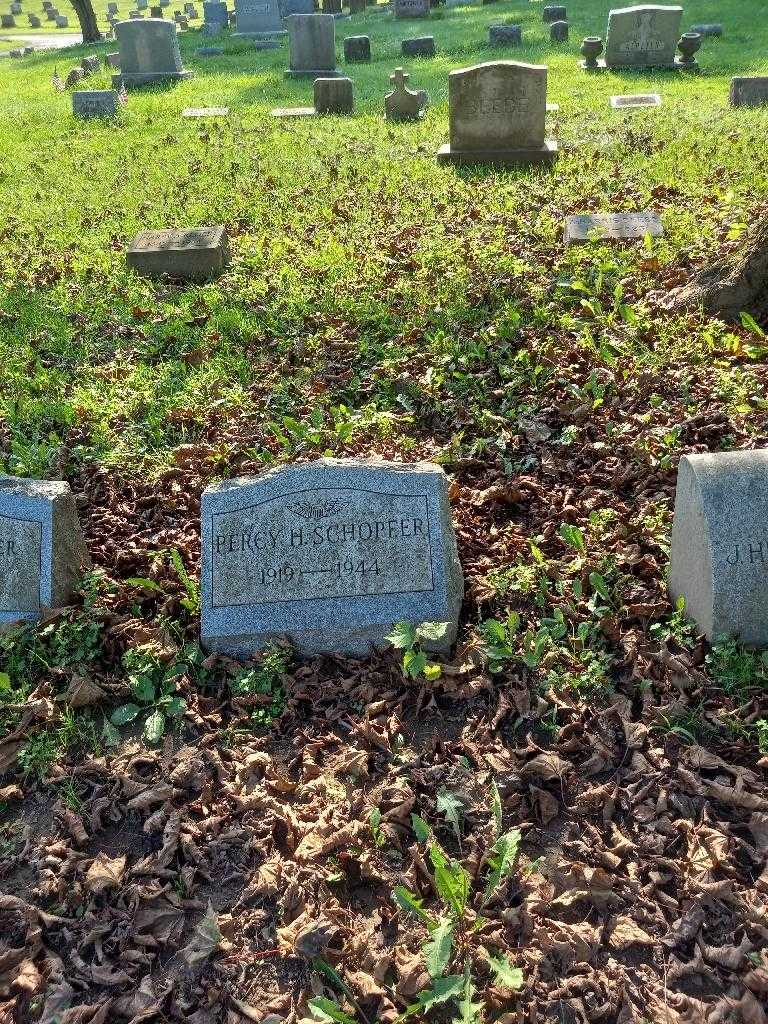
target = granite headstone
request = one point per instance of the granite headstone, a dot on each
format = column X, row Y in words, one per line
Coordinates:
column 643, row 36
column 95, row 103
column 258, row 18
column 149, row 52
column 411, row 8
column 312, row 44
column 191, row 254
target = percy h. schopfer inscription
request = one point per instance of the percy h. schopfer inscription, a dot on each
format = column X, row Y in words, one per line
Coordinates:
column 330, row 554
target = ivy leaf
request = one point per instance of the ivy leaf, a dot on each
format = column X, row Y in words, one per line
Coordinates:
column 329, row 1010
column 403, row 636
column 504, row 973
column 412, row 905
column 438, row 949
column 124, row 714
column 442, row 990
column 469, row 1011
column 154, row 727
column 502, row 860
column 449, row 805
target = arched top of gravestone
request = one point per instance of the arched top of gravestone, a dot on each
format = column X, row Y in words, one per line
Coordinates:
column 148, row 46
column 498, row 105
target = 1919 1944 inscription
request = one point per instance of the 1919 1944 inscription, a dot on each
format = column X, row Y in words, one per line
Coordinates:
column 330, row 554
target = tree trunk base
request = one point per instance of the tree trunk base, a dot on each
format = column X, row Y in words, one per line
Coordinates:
column 731, row 286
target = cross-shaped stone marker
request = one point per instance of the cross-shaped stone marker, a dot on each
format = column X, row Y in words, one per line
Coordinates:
column 403, row 104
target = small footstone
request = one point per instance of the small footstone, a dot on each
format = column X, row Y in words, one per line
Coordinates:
column 749, row 91
column 505, row 35
column 423, row 46
column 357, row 48
column 588, row 227
column 334, row 96
column 293, row 112
column 719, row 557
column 646, row 99
column 205, row 112
column 42, row 551
column 191, row 254
column 707, row 30
column 95, row 103
column 331, row 554
column 210, row 51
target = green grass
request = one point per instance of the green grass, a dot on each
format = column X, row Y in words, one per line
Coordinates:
column 372, row 294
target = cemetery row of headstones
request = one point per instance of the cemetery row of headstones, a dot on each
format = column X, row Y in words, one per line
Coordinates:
column 331, row 554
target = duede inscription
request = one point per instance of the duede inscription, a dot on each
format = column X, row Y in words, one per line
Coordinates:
column 20, row 564
column 330, row 554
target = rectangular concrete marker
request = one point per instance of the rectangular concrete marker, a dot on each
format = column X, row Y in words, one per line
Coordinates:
column 648, row 99
column 749, row 91
column 192, row 254
column 643, row 36
column 331, row 554
column 719, row 559
column 205, row 112
column 95, row 103
column 588, row 227
column 497, row 112
column 42, row 551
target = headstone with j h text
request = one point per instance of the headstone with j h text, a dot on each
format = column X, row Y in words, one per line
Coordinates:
column 330, row 554
column 719, row 558
column 42, row 551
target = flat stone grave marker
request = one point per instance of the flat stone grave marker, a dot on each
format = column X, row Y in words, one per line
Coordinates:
column 210, row 51
column 402, row 103
column 357, row 48
column 719, row 557
column 258, row 19
column 312, row 44
column 588, row 227
column 42, row 551
column 423, row 46
column 331, row 554
column 293, row 112
column 95, row 103
column 552, row 13
column 505, row 35
column 643, row 36
column 149, row 52
column 411, row 8
column 646, row 99
column 712, row 30
column 191, row 254
column 496, row 114
column 205, row 112
column 749, row 91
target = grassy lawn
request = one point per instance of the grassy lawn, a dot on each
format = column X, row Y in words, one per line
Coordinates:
column 379, row 304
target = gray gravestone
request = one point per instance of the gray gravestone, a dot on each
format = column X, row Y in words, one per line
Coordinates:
column 42, row 551
column 643, row 36
column 587, row 227
column 258, row 18
column 215, row 14
column 505, row 35
column 16, row 9
column 149, row 52
column 7, row 21
column 298, row 7
column 112, row 60
column 331, row 554
column 423, row 46
column 496, row 115
column 402, row 103
column 646, row 99
column 707, row 30
column 334, row 96
column 96, row 103
column 552, row 13
column 62, row 21
column 192, row 254
column 50, row 14
column 719, row 558
column 91, row 64
column 34, row 21
column 411, row 8
column 75, row 75
column 357, row 48
column 312, row 42
column 749, row 91
column 558, row 32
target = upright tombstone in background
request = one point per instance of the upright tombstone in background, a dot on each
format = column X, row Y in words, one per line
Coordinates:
column 411, row 8
column 312, row 42
column 643, row 36
column 42, row 551
column 149, row 52
column 719, row 557
column 298, row 7
column 258, row 19
column 496, row 115
column 215, row 14
column 331, row 554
